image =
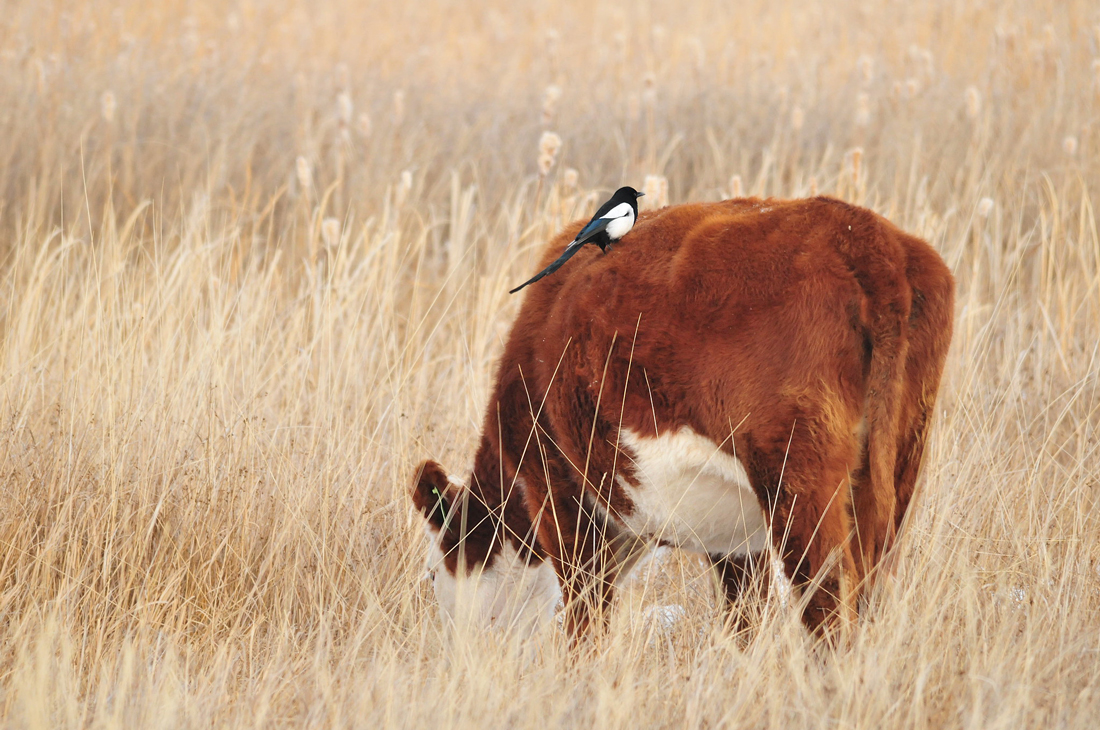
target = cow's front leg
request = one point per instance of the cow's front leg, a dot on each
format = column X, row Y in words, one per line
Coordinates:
column 742, row 578
column 590, row 551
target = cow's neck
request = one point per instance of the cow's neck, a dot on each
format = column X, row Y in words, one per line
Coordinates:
column 503, row 495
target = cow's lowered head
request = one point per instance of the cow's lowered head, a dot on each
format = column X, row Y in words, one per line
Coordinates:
column 482, row 573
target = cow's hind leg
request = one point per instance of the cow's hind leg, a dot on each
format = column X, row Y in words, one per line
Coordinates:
column 807, row 482
column 589, row 550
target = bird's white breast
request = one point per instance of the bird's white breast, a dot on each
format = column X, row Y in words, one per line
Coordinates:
column 692, row 494
column 622, row 220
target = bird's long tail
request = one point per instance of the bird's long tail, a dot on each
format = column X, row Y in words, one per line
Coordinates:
column 566, row 255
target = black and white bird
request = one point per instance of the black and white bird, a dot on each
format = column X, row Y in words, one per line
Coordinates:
column 612, row 221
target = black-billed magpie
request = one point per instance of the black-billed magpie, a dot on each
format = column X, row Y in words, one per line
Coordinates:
column 612, row 221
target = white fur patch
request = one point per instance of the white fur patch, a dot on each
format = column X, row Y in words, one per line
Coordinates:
column 693, row 495
column 511, row 594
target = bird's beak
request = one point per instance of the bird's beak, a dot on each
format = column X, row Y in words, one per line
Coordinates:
column 638, row 195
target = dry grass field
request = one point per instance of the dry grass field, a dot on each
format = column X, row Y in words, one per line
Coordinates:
column 254, row 263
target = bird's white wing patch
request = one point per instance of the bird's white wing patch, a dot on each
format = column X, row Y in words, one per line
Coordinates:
column 620, row 225
column 693, row 495
column 619, row 211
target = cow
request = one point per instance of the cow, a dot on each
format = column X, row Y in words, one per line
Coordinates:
column 745, row 379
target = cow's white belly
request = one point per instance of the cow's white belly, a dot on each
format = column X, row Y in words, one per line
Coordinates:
column 692, row 494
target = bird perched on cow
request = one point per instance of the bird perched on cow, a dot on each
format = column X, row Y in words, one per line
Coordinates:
column 612, row 221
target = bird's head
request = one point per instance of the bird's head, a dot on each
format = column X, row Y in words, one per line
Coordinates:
column 627, row 195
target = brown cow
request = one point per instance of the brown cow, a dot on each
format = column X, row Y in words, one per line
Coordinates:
column 734, row 376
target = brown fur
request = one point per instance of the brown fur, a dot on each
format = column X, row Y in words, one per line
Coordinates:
column 771, row 327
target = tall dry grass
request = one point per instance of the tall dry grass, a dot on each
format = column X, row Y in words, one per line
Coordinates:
column 255, row 259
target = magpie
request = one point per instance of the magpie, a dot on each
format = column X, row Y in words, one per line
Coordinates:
column 612, row 221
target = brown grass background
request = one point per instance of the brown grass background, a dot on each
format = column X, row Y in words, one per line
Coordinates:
column 218, row 363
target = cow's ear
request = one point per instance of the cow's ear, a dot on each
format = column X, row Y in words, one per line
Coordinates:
column 430, row 493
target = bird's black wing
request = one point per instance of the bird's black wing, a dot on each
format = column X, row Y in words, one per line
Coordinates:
column 590, row 229
column 566, row 255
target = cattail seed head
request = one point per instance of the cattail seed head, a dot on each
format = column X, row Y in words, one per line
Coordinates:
column 304, row 173
column 550, row 102
column 985, row 207
column 737, row 190
column 656, row 191
column 344, row 107
column 330, row 232
column 1069, row 145
column 546, row 162
column 863, row 110
column 107, row 106
column 549, row 144
column 912, row 87
column 570, row 178
column 973, row 102
column 364, row 124
column 798, row 118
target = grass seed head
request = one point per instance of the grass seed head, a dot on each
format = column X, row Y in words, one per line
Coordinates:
column 855, row 159
column 304, row 173
column 656, row 191
column 344, row 107
column 737, row 190
column 985, row 207
column 404, row 187
column 973, row 102
column 330, row 232
column 863, row 109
